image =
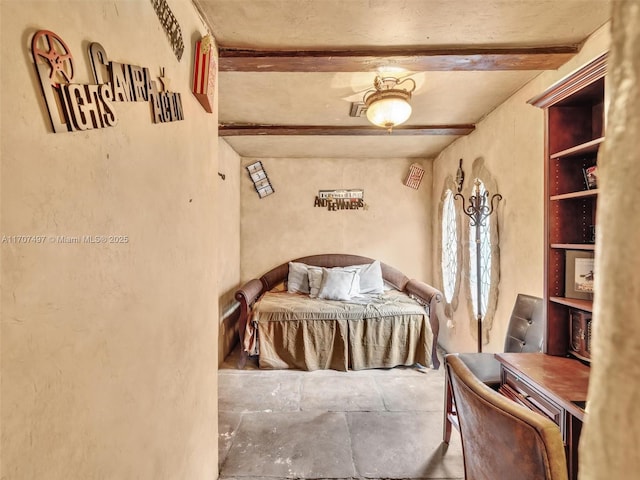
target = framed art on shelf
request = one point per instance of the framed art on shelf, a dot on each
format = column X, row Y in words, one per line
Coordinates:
column 591, row 177
column 580, row 333
column 579, row 274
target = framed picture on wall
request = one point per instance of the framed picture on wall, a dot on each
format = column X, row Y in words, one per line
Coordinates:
column 260, row 179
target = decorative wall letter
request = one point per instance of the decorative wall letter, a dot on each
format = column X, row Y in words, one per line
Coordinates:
column 76, row 106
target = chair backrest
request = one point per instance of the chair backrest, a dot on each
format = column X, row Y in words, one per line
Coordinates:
column 500, row 438
column 525, row 332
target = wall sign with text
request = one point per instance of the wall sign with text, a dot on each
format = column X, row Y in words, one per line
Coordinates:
column 76, row 106
column 334, row 200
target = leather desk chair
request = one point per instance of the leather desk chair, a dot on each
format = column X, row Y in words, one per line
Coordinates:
column 500, row 438
column 525, row 333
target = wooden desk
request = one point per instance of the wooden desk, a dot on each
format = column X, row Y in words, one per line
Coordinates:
column 552, row 386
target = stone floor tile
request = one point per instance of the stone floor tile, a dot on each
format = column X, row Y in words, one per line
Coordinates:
column 266, row 392
column 340, row 393
column 228, row 423
column 408, row 393
column 403, row 445
column 284, row 445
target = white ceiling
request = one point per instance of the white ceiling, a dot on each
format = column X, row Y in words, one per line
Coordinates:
column 320, row 98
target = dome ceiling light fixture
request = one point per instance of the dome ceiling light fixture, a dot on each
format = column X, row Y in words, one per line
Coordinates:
column 388, row 103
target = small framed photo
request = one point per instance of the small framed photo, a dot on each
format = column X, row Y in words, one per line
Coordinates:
column 591, row 177
column 579, row 274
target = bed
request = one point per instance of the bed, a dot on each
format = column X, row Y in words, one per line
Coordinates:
column 364, row 314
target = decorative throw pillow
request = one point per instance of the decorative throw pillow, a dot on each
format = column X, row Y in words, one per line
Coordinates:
column 315, row 280
column 371, row 280
column 339, row 284
column 298, row 279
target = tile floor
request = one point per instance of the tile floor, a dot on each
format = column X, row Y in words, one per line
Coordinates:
column 327, row 424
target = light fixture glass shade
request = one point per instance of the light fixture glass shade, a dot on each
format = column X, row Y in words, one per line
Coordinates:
column 389, row 111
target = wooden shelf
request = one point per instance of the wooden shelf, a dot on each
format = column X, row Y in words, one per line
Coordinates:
column 574, row 246
column 575, row 130
column 581, row 194
column 588, row 147
column 586, row 305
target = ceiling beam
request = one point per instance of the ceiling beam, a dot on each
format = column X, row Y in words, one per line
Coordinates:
column 412, row 59
column 234, row 129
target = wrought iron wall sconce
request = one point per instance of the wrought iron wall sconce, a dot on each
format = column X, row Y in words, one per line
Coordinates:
column 459, row 177
column 478, row 210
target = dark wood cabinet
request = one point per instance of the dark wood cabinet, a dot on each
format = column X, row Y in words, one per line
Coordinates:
column 574, row 111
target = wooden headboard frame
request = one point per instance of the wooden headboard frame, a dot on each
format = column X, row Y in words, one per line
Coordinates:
column 428, row 296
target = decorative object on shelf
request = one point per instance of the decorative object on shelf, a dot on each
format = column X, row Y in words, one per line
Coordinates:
column 479, row 210
column 459, row 177
column 204, row 72
column 334, row 200
column 260, row 180
column 414, row 177
column 579, row 274
column 580, row 333
column 170, row 25
column 388, row 102
column 591, row 177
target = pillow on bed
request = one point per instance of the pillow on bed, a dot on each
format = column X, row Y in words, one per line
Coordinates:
column 339, row 284
column 371, row 278
column 298, row 279
column 315, row 280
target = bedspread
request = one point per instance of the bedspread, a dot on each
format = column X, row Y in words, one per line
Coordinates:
column 295, row 331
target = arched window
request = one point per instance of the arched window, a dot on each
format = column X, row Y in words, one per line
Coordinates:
column 449, row 258
column 485, row 261
column 450, row 249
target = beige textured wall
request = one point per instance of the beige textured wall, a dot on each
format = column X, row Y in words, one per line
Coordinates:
column 609, row 446
column 108, row 351
column 511, row 141
column 228, row 246
column 396, row 227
